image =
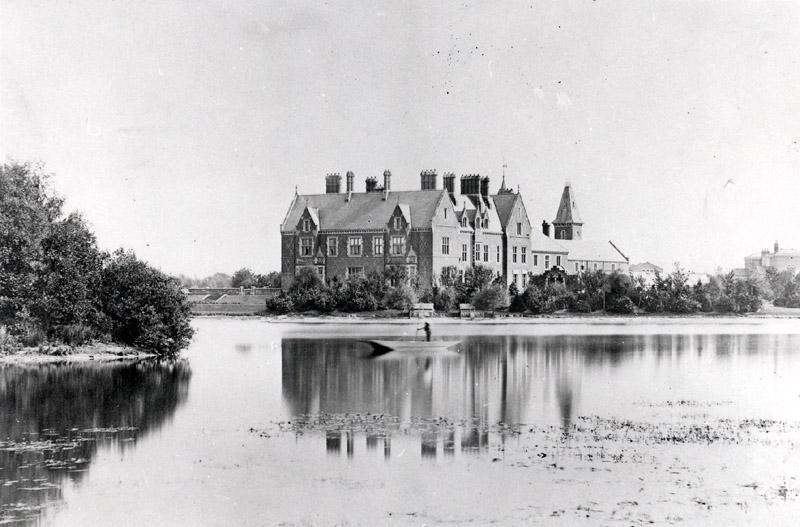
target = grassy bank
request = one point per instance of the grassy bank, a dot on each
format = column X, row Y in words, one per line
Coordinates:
column 47, row 354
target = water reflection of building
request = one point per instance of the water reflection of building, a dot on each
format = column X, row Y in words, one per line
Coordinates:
column 485, row 391
column 54, row 418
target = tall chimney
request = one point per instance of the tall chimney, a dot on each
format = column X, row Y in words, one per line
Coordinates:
column 333, row 184
column 485, row 186
column 350, row 181
column 546, row 228
column 449, row 180
column 428, row 179
column 372, row 184
column 387, row 183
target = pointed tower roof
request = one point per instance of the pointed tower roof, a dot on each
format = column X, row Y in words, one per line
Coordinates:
column 567, row 209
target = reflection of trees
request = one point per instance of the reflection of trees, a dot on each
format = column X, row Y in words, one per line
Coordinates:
column 53, row 417
column 492, row 386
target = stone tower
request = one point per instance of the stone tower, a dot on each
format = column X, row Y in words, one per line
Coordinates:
column 568, row 224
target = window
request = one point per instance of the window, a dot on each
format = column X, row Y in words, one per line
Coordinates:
column 524, row 254
column 519, row 227
column 354, row 246
column 485, row 253
column 498, row 254
column 514, row 254
column 547, row 261
column 477, row 252
column 536, row 260
column 576, row 267
column 595, row 266
column 411, row 271
column 398, row 245
column 333, row 246
column 464, row 252
column 397, row 223
column 445, row 244
column 377, row 245
column 464, row 221
column 306, row 245
column 613, row 267
column 558, row 259
column 306, row 225
column 524, row 279
column 355, row 271
column 321, row 272
column 445, row 213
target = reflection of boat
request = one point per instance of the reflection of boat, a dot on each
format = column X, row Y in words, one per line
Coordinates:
column 411, row 346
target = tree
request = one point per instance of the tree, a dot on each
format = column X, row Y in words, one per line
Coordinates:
column 243, row 277
column 27, row 209
column 65, row 291
column 490, row 298
column 144, row 307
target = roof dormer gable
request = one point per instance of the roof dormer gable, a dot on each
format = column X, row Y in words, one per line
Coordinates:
column 309, row 220
column 400, row 219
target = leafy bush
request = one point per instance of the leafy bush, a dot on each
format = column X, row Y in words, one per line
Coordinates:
column 400, row 297
column 280, row 304
column 355, row 295
column 580, row 303
column 490, row 298
column 622, row 305
column 144, row 307
column 534, row 299
column 444, row 299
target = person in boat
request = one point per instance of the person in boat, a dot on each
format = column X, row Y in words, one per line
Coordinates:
column 427, row 328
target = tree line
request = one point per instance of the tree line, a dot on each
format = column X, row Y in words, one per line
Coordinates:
column 57, row 287
column 549, row 292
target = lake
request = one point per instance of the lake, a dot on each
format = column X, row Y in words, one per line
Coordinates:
column 594, row 422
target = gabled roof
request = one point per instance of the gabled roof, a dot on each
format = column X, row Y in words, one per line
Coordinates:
column 314, row 213
column 405, row 210
column 543, row 244
column 592, row 251
column 504, row 203
column 567, row 209
column 366, row 210
column 473, row 205
column 645, row 266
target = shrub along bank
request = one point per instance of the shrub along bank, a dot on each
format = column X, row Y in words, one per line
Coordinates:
column 547, row 293
column 57, row 287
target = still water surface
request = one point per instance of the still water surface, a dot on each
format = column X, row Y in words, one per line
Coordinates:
column 266, row 423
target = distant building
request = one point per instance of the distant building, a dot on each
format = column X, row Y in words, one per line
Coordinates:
column 340, row 234
column 422, row 231
column 646, row 271
column 583, row 255
column 779, row 259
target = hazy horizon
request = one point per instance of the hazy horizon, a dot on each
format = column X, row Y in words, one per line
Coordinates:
column 180, row 129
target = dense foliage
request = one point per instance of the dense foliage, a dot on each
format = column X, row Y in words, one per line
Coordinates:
column 618, row 293
column 56, row 286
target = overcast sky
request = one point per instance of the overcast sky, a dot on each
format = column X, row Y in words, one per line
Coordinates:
column 180, row 129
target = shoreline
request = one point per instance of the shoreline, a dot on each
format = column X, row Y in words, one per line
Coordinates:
column 95, row 352
column 504, row 318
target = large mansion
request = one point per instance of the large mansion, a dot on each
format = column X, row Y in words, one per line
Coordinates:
column 339, row 234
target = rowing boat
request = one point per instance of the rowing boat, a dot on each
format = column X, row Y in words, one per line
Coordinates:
column 412, row 346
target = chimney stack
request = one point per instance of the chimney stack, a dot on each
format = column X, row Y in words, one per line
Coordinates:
column 428, row 179
column 546, row 228
column 372, row 184
column 449, row 180
column 333, row 184
column 350, row 180
column 485, row 186
column 776, row 246
column 387, row 183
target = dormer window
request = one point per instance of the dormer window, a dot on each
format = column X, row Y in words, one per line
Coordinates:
column 306, row 225
column 464, row 221
column 397, row 223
